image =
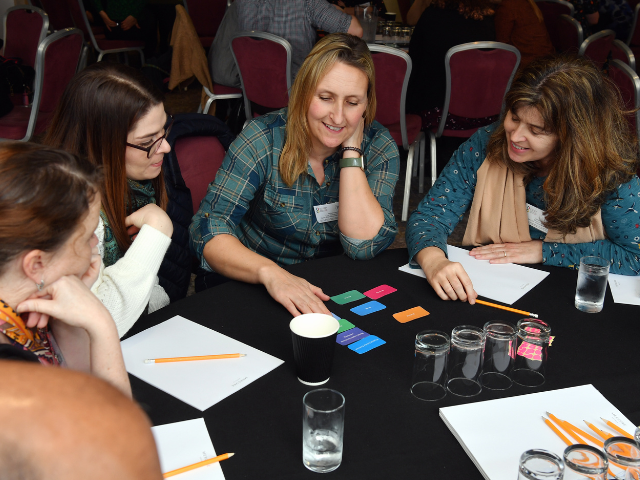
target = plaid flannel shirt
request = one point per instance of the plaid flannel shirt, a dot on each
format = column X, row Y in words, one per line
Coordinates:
column 249, row 200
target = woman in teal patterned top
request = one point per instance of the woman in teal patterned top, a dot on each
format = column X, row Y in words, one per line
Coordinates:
column 564, row 141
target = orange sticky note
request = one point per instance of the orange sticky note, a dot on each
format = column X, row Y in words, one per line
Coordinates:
column 411, row 314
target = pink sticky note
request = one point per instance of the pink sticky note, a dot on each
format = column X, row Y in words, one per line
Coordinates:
column 381, row 291
column 528, row 350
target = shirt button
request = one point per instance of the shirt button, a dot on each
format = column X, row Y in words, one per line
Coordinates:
column 282, row 204
column 317, row 233
column 206, row 215
column 328, row 183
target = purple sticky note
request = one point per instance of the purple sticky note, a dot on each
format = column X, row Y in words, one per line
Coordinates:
column 350, row 336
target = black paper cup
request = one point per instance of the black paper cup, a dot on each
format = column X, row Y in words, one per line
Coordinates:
column 314, row 339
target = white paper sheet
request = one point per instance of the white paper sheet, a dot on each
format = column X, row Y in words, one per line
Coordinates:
column 200, row 383
column 185, row 443
column 625, row 289
column 496, row 432
column 506, row 283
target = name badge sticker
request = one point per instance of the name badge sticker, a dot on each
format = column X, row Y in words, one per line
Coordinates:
column 327, row 212
column 536, row 217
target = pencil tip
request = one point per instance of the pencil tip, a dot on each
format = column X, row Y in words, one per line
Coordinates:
column 603, row 420
column 548, row 414
column 149, row 361
column 533, row 315
column 243, row 354
column 231, row 454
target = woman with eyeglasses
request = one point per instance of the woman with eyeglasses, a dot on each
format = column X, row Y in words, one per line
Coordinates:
column 114, row 117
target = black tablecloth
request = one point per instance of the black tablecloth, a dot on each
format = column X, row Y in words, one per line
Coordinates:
column 388, row 433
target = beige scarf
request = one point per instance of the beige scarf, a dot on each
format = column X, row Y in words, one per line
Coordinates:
column 499, row 211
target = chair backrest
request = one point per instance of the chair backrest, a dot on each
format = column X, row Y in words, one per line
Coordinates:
column 199, row 159
column 551, row 11
column 206, row 16
column 634, row 35
column 59, row 14
column 622, row 52
column 24, row 28
column 569, row 35
column 628, row 83
column 393, row 68
column 264, row 65
column 598, row 46
column 76, row 7
column 477, row 79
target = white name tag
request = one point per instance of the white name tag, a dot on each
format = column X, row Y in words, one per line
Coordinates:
column 536, row 217
column 327, row 212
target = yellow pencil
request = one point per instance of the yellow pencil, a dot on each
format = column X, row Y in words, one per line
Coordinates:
column 575, row 429
column 602, row 433
column 558, row 432
column 189, row 359
column 219, row 458
column 508, row 309
column 617, row 429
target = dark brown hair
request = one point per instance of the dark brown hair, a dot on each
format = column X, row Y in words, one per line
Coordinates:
column 596, row 150
column 475, row 9
column 45, row 194
column 98, row 109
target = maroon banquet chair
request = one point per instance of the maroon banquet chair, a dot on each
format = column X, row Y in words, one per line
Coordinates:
column 206, row 16
column 56, row 63
column 634, row 37
column 478, row 76
column 59, row 14
column 598, row 46
column 551, row 11
column 621, row 51
column 393, row 68
column 264, row 65
column 102, row 46
column 628, row 83
column 24, row 28
column 570, row 35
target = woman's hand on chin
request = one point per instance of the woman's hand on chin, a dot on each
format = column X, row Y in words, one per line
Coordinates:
column 296, row 294
column 70, row 301
column 525, row 252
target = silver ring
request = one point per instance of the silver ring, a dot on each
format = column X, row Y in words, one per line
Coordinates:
column 505, row 253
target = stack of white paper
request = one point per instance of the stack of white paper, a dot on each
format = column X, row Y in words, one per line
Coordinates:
column 625, row 289
column 200, row 383
column 505, row 283
column 496, row 432
column 185, row 443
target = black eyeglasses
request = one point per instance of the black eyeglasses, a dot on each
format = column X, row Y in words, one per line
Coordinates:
column 155, row 146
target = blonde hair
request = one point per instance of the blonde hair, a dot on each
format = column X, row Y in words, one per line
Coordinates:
column 596, row 150
column 337, row 47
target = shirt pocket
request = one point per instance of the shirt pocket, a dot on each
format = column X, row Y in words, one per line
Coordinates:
column 284, row 214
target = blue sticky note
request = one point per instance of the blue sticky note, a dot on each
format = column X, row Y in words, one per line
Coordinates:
column 367, row 308
column 366, row 344
column 336, row 316
column 350, row 336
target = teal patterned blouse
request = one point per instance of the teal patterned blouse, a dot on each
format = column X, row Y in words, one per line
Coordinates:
column 451, row 196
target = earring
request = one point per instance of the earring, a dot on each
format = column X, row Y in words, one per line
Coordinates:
column 40, row 285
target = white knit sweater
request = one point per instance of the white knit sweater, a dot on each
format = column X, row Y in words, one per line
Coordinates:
column 127, row 286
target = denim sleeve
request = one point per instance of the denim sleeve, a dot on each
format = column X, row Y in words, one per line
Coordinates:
column 326, row 17
column 449, row 198
column 242, row 173
column 622, row 227
column 383, row 165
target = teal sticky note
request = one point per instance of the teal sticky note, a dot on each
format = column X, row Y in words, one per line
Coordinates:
column 347, row 297
column 345, row 325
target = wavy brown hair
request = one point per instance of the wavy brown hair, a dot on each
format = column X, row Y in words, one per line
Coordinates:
column 596, row 149
column 98, row 109
column 45, row 194
column 337, row 47
column 475, row 9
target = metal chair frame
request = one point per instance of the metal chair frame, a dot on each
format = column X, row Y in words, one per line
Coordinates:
column 102, row 53
column 39, row 78
column 418, row 147
column 592, row 38
column 561, row 2
column 631, row 58
column 576, row 24
column 39, row 11
column 635, row 23
column 265, row 36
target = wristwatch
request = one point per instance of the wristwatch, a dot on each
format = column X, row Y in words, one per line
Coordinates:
column 352, row 162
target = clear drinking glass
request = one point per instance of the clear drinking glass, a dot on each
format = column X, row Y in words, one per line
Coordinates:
column 499, row 355
column 531, row 352
column 368, row 18
column 582, row 462
column 322, row 430
column 465, row 360
column 592, row 284
column 624, row 457
column 537, row 464
column 429, row 378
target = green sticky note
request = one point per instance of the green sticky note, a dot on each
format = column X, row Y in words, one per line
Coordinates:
column 347, row 297
column 345, row 325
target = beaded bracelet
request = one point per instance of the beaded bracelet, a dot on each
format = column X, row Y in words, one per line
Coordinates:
column 355, row 149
